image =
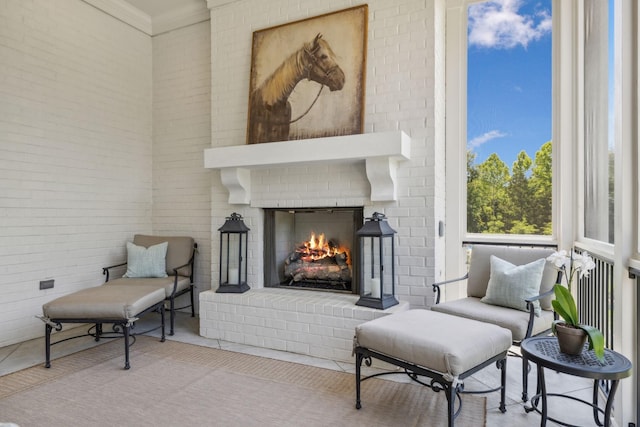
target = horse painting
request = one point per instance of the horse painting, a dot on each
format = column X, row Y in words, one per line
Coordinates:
column 270, row 108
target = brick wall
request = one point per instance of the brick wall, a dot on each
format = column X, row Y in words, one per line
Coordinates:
column 75, row 151
column 86, row 140
column 405, row 73
column 181, row 132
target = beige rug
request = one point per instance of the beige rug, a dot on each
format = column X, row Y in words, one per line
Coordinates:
column 177, row 384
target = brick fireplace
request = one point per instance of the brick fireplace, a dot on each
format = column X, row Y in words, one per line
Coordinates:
column 405, row 91
column 262, row 182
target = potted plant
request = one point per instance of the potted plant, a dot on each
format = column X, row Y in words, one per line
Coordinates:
column 570, row 332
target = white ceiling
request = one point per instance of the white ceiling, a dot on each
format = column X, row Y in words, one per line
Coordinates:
column 155, row 8
column 155, row 17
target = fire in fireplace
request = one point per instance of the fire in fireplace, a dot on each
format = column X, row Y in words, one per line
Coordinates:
column 296, row 255
column 320, row 260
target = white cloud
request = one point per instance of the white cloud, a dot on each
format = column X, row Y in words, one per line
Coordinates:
column 485, row 137
column 497, row 24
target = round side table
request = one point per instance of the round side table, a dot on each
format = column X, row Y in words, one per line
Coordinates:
column 545, row 353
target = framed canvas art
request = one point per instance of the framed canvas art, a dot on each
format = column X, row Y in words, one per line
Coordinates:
column 308, row 78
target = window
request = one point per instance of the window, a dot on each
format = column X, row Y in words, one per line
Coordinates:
column 599, row 144
column 509, row 114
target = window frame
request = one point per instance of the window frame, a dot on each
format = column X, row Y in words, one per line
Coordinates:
column 456, row 131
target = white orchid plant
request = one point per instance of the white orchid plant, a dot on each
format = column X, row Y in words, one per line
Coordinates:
column 574, row 265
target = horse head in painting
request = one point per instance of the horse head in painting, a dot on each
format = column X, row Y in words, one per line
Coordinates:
column 320, row 63
column 269, row 103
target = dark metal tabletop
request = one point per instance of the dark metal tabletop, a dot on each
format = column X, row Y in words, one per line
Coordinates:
column 545, row 352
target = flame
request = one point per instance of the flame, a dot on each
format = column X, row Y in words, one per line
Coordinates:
column 318, row 247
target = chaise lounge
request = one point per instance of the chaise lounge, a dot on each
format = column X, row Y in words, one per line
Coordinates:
column 99, row 305
column 171, row 271
column 158, row 269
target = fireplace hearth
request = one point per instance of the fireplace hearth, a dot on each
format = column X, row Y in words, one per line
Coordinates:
column 311, row 248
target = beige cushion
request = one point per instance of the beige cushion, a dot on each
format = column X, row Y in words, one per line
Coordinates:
column 104, row 302
column 442, row 343
column 514, row 320
column 480, row 268
column 164, row 283
column 179, row 250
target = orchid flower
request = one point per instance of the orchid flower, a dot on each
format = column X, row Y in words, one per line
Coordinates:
column 572, row 264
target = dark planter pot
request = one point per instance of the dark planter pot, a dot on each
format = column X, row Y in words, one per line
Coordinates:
column 571, row 340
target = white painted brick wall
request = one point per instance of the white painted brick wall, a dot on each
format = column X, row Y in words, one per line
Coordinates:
column 76, row 120
column 405, row 72
column 75, row 151
column 181, row 132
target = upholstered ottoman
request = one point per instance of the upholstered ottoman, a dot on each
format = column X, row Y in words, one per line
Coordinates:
column 445, row 348
column 119, row 305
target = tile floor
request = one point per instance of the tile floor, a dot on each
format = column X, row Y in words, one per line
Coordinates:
column 30, row 353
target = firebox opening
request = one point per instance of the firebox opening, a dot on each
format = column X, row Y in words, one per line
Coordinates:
column 312, row 248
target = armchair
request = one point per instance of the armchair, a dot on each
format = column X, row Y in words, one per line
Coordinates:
column 523, row 324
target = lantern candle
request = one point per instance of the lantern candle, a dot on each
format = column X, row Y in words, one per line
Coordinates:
column 233, row 276
column 375, row 288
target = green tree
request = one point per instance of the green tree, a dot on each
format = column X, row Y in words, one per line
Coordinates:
column 489, row 191
column 502, row 203
column 520, row 196
column 540, row 184
column 522, row 227
column 612, row 170
column 474, row 200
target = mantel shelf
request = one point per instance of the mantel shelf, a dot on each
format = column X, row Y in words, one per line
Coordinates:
column 380, row 151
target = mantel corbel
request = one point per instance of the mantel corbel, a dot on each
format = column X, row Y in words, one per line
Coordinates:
column 238, row 182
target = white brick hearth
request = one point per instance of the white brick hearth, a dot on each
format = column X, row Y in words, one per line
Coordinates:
column 314, row 323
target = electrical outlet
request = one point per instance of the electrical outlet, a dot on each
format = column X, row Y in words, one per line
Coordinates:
column 46, row 284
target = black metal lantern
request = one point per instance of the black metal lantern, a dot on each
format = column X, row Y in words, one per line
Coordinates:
column 233, row 255
column 377, row 263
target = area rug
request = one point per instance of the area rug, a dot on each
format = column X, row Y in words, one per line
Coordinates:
column 173, row 384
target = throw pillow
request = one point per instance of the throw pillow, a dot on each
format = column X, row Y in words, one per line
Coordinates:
column 146, row 262
column 510, row 284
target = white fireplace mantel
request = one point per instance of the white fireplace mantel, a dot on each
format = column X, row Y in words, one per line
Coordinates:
column 381, row 152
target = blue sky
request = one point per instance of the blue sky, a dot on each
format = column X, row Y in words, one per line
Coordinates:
column 509, row 78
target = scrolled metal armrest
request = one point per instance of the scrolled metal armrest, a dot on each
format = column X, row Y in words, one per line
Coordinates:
column 539, row 297
column 175, row 274
column 436, row 286
column 105, row 270
column 175, row 270
column 531, row 309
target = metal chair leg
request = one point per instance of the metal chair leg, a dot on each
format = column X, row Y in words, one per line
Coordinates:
column 525, row 379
